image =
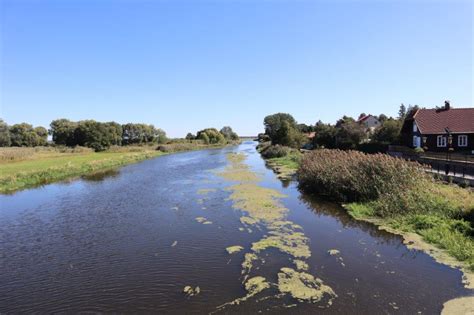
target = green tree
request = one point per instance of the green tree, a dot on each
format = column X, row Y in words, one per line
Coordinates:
column 62, row 132
column 282, row 129
column 228, row 133
column 402, row 112
column 211, row 136
column 190, row 136
column 5, row 140
column 325, row 135
column 304, row 128
column 42, row 134
column 389, row 132
column 115, row 132
column 24, row 135
column 93, row 134
column 349, row 135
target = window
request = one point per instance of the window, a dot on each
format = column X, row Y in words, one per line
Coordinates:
column 441, row 141
column 462, row 141
column 416, row 141
column 415, row 129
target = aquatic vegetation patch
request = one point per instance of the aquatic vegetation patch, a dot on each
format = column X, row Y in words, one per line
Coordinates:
column 248, row 220
column 300, row 264
column 190, row 291
column 206, row 191
column 234, row 249
column 294, row 244
column 261, row 208
column 203, row 220
column 303, row 286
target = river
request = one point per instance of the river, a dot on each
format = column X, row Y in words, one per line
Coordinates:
column 128, row 241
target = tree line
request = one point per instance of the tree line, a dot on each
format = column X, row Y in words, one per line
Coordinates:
column 213, row 136
column 347, row 133
column 100, row 135
column 88, row 133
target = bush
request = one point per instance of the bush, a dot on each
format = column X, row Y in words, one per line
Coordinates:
column 392, row 186
column 275, row 151
column 356, row 176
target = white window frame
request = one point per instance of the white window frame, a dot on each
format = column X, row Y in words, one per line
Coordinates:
column 415, row 127
column 441, row 141
column 462, row 140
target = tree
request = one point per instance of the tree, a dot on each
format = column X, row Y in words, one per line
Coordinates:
column 402, row 112
column 304, row 128
column 24, row 135
column 211, row 136
column 362, row 115
column 228, row 133
column 274, row 122
column 389, row 132
column 115, row 132
column 349, row 135
column 282, row 129
column 190, row 136
column 62, row 131
column 5, row 140
column 289, row 136
column 93, row 134
column 325, row 135
column 42, row 134
column 382, row 118
column 142, row 134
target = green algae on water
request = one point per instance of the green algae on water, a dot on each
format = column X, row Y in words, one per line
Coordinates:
column 206, row 191
column 261, row 208
column 300, row 264
column 234, row 249
column 303, row 286
column 203, row 220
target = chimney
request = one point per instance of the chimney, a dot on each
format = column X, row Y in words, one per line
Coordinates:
column 447, row 105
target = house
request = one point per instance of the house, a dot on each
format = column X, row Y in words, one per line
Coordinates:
column 440, row 129
column 370, row 122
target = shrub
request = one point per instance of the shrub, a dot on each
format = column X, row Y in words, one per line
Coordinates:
column 275, row 151
column 356, row 176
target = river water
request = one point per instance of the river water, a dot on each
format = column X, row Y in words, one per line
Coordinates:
column 128, row 241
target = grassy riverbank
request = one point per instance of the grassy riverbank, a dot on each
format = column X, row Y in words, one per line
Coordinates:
column 394, row 194
column 22, row 168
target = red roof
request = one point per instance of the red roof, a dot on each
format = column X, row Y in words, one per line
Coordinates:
column 363, row 118
column 435, row 121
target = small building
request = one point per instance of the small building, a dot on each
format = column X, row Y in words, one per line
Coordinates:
column 370, row 122
column 440, row 129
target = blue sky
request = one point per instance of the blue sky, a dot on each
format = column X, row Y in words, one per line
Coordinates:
column 186, row 65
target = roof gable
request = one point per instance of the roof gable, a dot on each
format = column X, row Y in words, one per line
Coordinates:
column 435, row 121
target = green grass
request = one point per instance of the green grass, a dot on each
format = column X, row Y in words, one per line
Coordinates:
column 290, row 161
column 29, row 173
column 453, row 235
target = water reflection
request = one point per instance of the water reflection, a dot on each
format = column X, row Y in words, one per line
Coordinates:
column 101, row 175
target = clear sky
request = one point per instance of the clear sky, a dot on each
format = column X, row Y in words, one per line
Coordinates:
column 186, row 65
